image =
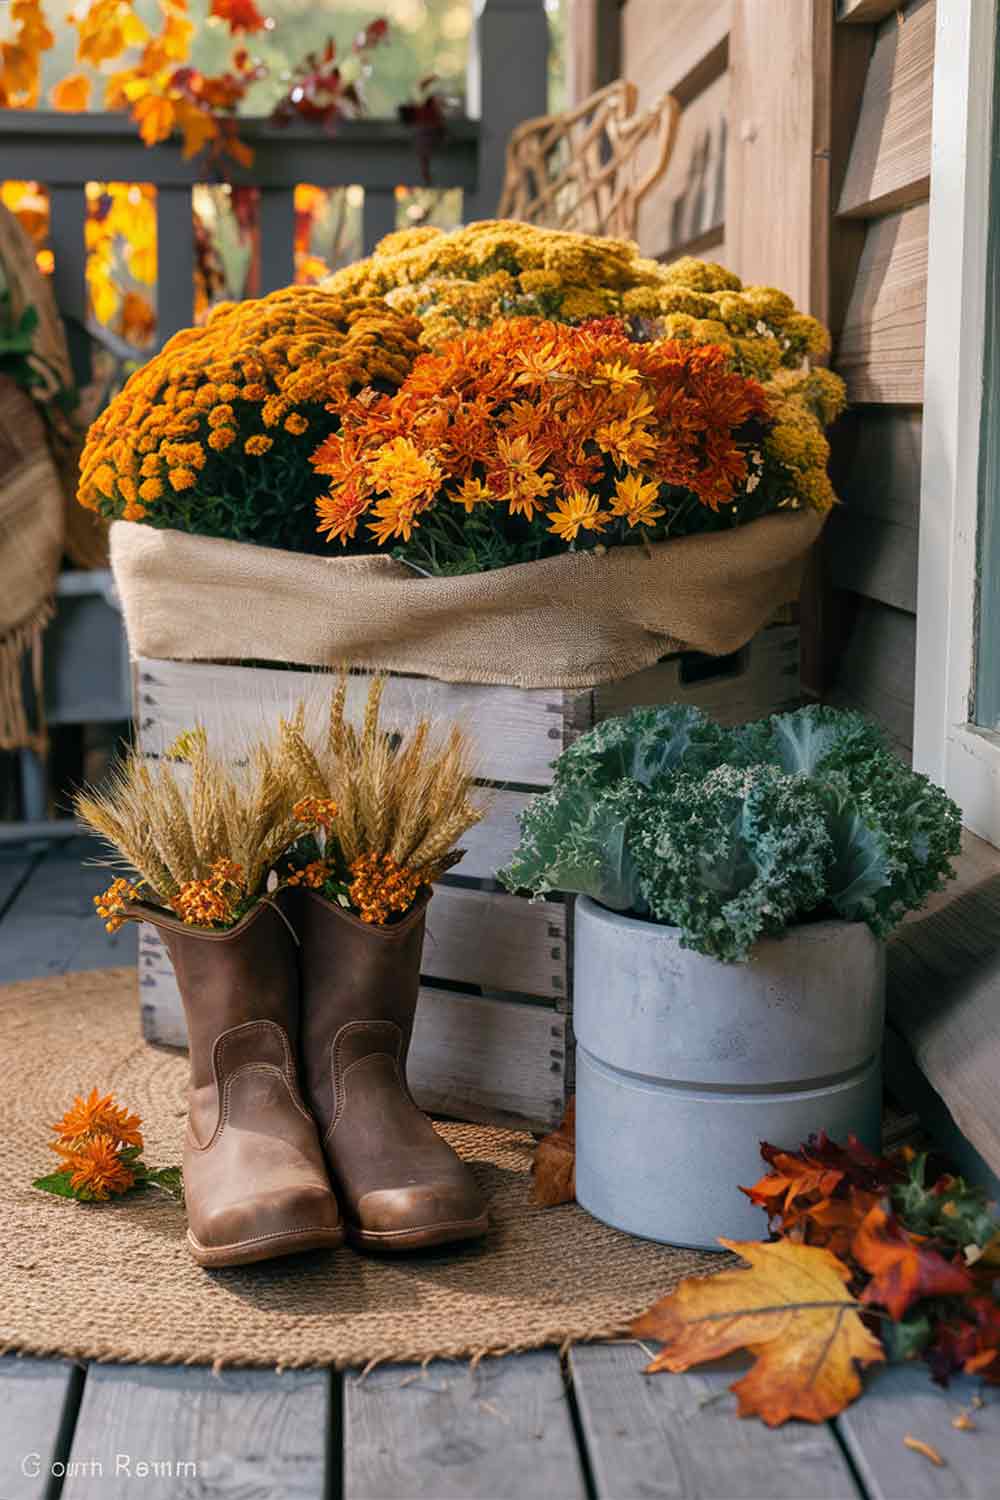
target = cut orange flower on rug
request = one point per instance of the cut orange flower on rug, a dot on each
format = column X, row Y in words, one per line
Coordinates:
column 100, row 1145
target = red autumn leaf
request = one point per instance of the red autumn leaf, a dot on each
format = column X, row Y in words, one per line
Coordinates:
column 554, row 1168
column 903, row 1267
column 861, row 1167
column 239, row 15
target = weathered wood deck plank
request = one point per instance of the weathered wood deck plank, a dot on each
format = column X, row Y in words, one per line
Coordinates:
column 245, row 1432
column 51, row 927
column 15, row 865
column 38, row 1401
column 677, row 1437
column 452, row 1433
column 904, row 1401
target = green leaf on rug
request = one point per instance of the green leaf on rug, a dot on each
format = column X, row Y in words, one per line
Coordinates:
column 56, row 1182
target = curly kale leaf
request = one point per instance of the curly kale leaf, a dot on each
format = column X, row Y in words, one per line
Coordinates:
column 733, row 856
column 816, row 738
column 572, row 841
column 643, row 746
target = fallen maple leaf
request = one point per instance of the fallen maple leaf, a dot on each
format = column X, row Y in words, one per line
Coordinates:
column 791, row 1310
column 553, row 1170
column 902, row 1265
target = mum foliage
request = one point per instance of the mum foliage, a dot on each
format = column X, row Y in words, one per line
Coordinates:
column 535, row 434
column 732, row 835
column 209, row 436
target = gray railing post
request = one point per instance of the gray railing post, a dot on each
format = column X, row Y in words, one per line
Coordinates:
column 507, row 82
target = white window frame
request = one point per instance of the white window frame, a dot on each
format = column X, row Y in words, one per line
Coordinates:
column 947, row 746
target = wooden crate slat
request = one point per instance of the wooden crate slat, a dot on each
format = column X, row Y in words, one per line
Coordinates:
column 880, row 352
column 495, row 940
column 448, row 1432
column 763, row 679
column 500, row 1061
column 246, row 1432
column 38, row 1398
column 684, row 1429
column 903, row 1399
column 890, row 161
column 490, row 844
column 518, row 730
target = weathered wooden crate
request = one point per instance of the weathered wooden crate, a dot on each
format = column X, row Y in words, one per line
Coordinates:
column 493, row 1039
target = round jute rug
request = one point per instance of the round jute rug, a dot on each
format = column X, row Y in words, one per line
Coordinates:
column 115, row 1281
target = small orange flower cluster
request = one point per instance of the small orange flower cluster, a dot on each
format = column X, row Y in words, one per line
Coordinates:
column 90, row 1139
column 381, row 888
column 176, row 441
column 112, row 903
column 581, row 427
column 213, row 901
column 316, row 812
column 313, row 875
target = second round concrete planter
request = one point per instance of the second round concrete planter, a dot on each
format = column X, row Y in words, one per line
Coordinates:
column 685, row 1064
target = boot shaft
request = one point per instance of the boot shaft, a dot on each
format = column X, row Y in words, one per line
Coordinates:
column 246, row 973
column 354, row 974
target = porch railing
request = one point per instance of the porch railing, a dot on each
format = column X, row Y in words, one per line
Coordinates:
column 507, row 83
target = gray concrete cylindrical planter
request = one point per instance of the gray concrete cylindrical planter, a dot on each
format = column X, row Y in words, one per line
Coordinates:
column 685, row 1064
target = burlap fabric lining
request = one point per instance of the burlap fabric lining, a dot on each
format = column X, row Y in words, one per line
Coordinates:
column 116, row 1282
column 571, row 621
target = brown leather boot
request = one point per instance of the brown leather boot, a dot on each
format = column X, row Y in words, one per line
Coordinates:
column 255, row 1182
column 402, row 1186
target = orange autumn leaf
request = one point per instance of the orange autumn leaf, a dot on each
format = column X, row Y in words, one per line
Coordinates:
column 833, row 1222
column 791, row 1310
column 553, row 1170
column 72, row 93
column 903, row 1268
column 793, row 1177
column 154, row 116
column 197, row 127
column 239, row 15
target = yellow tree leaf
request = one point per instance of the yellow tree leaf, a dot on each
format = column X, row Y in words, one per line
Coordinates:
column 791, row 1310
column 72, row 93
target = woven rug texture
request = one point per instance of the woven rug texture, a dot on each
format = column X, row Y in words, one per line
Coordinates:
column 115, row 1281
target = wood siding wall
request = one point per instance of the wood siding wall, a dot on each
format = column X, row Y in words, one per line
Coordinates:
column 872, row 542
column 803, row 160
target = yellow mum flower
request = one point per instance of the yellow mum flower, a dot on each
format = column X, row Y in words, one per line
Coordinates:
column 151, row 489
column 220, row 416
column 576, row 511
column 635, row 499
column 221, row 438
column 183, row 478
column 296, row 423
column 257, row 444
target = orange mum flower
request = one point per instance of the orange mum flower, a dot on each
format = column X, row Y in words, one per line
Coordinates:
column 96, row 1170
column 98, row 1115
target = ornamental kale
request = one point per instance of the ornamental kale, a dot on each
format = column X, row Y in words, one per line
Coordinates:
column 734, row 834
